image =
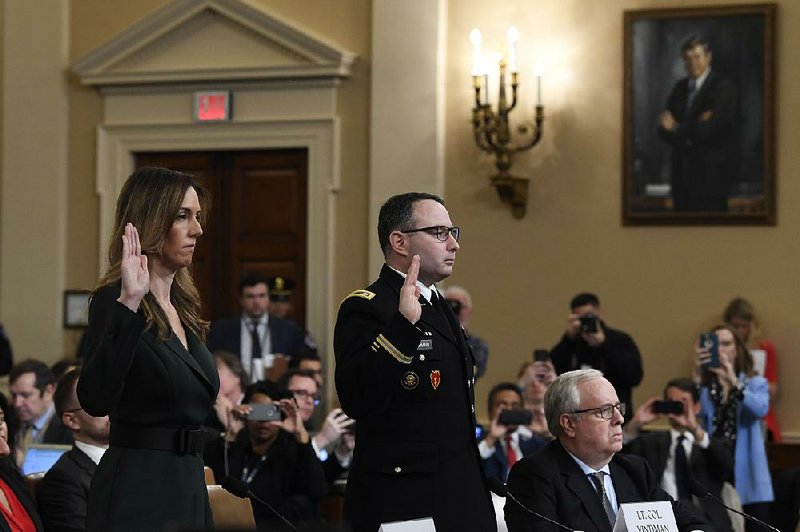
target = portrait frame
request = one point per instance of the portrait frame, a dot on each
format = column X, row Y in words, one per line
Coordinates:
column 684, row 171
column 76, row 309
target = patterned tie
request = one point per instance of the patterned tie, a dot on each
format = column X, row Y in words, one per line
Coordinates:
column 682, row 474
column 599, row 485
column 256, row 341
column 511, row 455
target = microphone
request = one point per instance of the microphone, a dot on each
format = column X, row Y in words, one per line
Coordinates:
column 701, row 491
column 242, row 490
column 501, row 490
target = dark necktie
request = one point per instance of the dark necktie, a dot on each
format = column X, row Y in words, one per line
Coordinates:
column 597, row 480
column 692, row 92
column 256, row 341
column 682, row 478
column 511, row 455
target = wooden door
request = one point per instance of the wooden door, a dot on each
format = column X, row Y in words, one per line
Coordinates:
column 257, row 221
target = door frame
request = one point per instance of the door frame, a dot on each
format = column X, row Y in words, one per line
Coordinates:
column 116, row 145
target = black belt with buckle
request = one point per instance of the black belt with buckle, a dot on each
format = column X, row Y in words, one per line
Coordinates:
column 176, row 440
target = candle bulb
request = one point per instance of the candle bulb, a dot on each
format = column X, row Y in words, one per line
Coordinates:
column 513, row 37
column 538, row 90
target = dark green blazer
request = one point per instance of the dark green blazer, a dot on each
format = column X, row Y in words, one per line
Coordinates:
column 141, row 381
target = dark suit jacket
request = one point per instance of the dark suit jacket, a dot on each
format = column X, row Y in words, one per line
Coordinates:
column 497, row 464
column 704, row 150
column 11, row 475
column 410, row 389
column 710, row 467
column 551, row 483
column 63, row 493
column 141, row 381
column 57, row 432
column 285, row 336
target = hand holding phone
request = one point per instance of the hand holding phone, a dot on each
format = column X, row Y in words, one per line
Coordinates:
column 667, row 407
column 710, row 343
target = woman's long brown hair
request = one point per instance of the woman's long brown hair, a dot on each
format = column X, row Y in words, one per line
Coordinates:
column 150, row 200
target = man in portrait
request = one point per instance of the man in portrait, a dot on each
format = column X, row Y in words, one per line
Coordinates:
column 700, row 123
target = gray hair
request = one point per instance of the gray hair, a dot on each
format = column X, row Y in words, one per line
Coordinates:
column 563, row 396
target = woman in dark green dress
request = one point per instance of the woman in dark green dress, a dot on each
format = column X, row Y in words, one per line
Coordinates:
column 146, row 365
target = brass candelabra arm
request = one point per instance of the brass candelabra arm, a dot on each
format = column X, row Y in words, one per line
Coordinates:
column 534, row 129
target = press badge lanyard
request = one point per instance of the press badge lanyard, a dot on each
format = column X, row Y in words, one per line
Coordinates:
column 247, row 475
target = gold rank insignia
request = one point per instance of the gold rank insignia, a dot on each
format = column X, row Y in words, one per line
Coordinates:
column 410, row 380
column 364, row 294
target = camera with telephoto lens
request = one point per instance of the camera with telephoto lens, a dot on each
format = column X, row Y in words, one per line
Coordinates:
column 589, row 323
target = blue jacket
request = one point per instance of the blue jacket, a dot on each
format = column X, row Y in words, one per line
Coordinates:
column 751, row 472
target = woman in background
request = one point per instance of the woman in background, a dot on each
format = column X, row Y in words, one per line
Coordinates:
column 733, row 400
column 740, row 316
column 145, row 364
column 17, row 509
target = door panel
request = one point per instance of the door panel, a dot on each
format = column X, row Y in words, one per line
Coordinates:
column 256, row 224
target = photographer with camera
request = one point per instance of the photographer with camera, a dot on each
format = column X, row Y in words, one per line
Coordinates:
column 589, row 343
column 508, row 439
column 274, row 457
column 684, row 453
column 461, row 302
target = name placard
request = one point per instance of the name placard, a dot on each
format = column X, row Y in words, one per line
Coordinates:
column 654, row 516
column 415, row 525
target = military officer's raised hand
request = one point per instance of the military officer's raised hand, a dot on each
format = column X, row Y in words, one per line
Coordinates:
column 134, row 275
column 409, row 293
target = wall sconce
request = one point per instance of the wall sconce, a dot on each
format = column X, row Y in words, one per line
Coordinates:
column 491, row 128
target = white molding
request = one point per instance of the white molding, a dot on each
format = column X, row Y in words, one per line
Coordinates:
column 117, row 144
column 313, row 57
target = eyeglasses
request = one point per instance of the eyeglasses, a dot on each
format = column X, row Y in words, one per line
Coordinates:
column 441, row 232
column 605, row 412
column 73, row 410
column 305, row 394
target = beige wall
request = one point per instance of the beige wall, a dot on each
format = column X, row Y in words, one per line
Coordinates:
column 663, row 285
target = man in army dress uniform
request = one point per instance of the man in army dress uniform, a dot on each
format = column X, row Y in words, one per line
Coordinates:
column 405, row 373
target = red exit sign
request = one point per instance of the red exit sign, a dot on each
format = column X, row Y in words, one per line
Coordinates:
column 212, row 106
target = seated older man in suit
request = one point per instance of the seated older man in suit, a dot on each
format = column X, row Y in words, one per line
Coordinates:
column 63, row 493
column 504, row 445
column 685, row 453
column 579, row 479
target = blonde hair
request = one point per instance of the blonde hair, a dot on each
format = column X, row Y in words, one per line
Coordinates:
column 150, row 200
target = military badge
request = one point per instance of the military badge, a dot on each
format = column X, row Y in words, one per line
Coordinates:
column 410, row 380
column 426, row 344
column 436, row 378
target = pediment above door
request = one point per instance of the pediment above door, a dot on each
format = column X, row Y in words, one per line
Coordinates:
column 191, row 41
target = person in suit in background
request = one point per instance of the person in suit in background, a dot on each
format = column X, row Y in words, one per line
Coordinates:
column 145, row 364
column 404, row 372
column 461, row 302
column 686, row 453
column 31, row 384
column 254, row 334
column 17, row 508
column 580, row 479
column 504, row 445
column 700, row 124
column 63, row 493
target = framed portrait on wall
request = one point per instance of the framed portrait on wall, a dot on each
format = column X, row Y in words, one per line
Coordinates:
column 698, row 116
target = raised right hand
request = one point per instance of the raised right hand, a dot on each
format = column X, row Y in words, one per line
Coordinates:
column 409, row 293
column 134, row 274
